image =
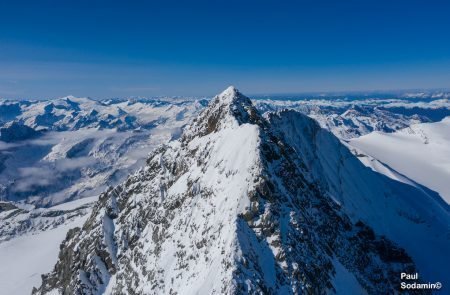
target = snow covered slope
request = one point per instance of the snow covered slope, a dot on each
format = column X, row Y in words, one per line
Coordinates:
column 30, row 239
column 241, row 205
column 420, row 152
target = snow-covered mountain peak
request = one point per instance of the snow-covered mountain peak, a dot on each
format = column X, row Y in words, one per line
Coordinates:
column 228, row 109
column 70, row 100
column 230, row 93
column 231, row 98
column 75, row 98
column 240, row 205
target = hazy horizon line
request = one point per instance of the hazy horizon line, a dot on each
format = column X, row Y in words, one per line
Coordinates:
column 384, row 92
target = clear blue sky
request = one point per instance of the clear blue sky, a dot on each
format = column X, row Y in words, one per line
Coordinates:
column 146, row 48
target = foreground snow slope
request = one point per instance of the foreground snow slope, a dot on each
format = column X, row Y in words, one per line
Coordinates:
column 30, row 240
column 420, row 152
column 241, row 205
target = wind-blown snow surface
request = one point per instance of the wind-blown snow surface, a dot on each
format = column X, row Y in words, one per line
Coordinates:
column 30, row 240
column 420, row 152
column 243, row 205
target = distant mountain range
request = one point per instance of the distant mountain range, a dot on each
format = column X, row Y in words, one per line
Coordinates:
column 64, row 149
column 353, row 118
column 226, row 196
column 91, row 144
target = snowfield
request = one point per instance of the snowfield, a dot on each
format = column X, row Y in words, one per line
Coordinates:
column 30, row 240
column 421, row 152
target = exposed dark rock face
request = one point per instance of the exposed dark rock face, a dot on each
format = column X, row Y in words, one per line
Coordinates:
column 230, row 208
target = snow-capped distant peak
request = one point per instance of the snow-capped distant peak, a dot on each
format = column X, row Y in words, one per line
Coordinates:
column 75, row 98
column 67, row 97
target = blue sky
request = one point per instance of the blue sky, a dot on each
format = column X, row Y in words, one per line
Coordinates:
column 146, row 48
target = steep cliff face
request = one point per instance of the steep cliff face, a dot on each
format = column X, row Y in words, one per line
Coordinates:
column 236, row 206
